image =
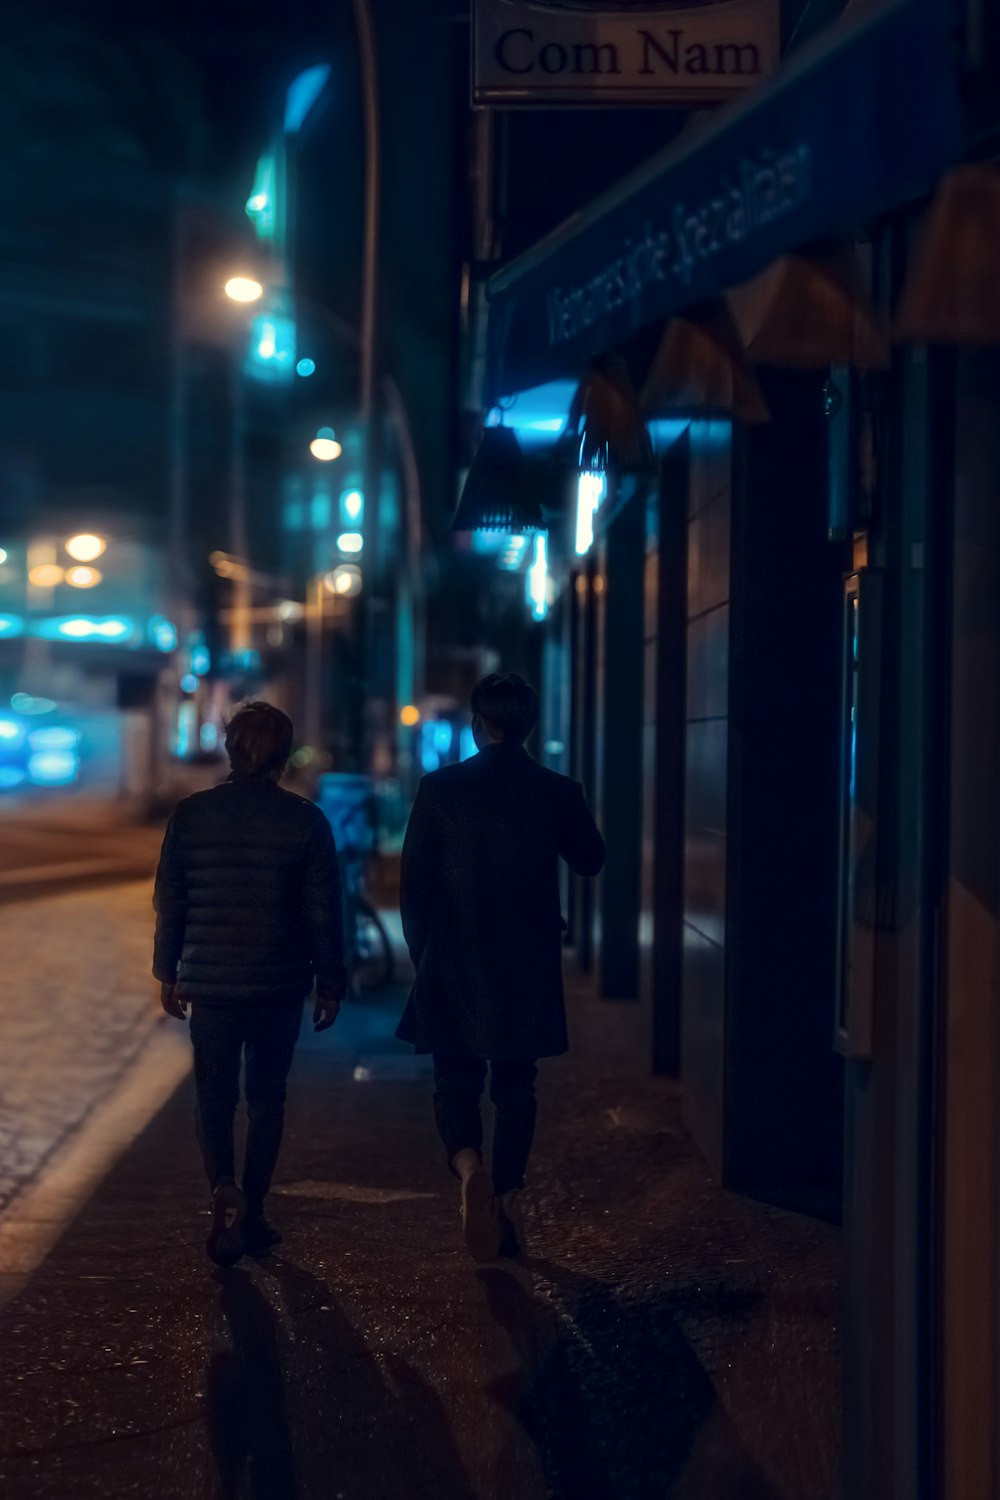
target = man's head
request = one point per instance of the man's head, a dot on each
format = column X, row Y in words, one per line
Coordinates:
column 504, row 709
column 259, row 742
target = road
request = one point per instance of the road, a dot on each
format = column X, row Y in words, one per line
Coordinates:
column 55, row 844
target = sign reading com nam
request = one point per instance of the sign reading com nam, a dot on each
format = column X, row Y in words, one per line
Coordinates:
column 533, row 54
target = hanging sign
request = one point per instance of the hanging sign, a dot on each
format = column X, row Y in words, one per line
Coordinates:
column 687, row 54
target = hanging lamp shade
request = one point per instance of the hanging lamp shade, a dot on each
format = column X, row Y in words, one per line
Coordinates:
column 499, row 493
column 805, row 312
column 612, row 427
column 699, row 366
column 952, row 290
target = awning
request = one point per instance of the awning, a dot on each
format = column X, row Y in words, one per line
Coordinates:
column 863, row 120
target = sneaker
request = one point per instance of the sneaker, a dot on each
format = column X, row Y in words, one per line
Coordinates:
column 259, row 1235
column 225, row 1238
column 479, row 1224
column 510, row 1220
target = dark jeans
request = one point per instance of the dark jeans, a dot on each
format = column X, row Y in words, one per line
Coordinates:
column 221, row 1035
column 458, row 1089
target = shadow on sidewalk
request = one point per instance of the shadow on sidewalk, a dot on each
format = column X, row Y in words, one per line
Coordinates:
column 612, row 1395
column 248, row 1421
column 300, row 1407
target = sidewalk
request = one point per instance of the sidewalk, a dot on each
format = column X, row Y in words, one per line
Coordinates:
column 666, row 1339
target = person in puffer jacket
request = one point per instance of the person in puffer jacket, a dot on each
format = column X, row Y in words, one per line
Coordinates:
column 249, row 916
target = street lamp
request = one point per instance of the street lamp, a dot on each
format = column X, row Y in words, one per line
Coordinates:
column 345, row 581
column 86, row 547
column 243, row 289
column 324, row 446
column 82, row 577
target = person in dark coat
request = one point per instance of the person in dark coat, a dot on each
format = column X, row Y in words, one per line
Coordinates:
column 481, row 917
column 249, row 914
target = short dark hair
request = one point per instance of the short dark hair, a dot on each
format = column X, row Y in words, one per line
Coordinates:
column 259, row 740
column 507, row 703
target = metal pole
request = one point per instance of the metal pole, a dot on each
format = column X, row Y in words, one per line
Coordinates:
column 368, row 413
column 240, row 629
column 373, row 167
column 314, row 665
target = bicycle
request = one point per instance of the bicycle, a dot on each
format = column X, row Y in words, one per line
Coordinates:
column 368, row 954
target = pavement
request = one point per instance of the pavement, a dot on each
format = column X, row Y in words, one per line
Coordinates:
column 662, row 1338
column 78, row 1012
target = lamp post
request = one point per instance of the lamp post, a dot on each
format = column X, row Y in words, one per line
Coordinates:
column 244, row 291
column 368, row 394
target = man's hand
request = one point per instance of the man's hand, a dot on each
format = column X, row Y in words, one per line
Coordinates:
column 325, row 1012
column 171, row 1004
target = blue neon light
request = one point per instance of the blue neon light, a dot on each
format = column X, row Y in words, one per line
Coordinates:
column 10, row 732
column 54, row 737
column 467, row 746
column 352, row 506
column 442, row 737
column 163, row 633
column 261, row 206
column 537, row 578
column 53, row 767
column 302, row 94
column 305, row 368
column 589, row 494
column 272, row 346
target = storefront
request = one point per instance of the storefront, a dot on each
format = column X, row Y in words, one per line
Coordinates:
column 770, row 607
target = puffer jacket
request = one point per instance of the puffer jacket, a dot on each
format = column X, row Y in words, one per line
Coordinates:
column 248, row 899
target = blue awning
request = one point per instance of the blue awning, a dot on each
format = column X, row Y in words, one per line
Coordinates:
column 863, row 120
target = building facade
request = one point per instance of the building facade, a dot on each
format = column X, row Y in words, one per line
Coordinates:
column 769, row 655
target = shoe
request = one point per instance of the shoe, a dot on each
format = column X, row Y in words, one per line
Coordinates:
column 259, row 1235
column 225, row 1238
column 479, row 1224
column 510, row 1221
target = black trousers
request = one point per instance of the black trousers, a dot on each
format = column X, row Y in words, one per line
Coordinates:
column 222, row 1035
column 458, row 1090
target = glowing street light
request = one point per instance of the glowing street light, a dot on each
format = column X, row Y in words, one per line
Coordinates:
column 82, row 577
column 325, row 449
column 243, row 289
column 350, row 541
column 352, row 503
column 409, row 715
column 345, row 581
column 86, row 547
column 324, row 445
column 46, row 575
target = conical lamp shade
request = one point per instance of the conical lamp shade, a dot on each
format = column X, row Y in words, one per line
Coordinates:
column 952, row 290
column 498, row 494
column 614, row 429
column 808, row 312
column 699, row 366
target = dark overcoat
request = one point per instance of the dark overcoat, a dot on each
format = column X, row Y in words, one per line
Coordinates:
column 480, row 904
column 248, row 898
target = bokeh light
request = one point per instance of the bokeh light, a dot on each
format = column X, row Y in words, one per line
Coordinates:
column 86, row 547
column 46, row 575
column 82, row 577
column 345, row 581
column 244, row 289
